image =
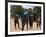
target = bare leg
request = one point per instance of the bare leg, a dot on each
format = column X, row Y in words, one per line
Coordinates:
column 23, row 24
column 30, row 23
column 15, row 25
column 18, row 25
column 27, row 26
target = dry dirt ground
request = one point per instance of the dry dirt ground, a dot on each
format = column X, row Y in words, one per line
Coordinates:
column 12, row 27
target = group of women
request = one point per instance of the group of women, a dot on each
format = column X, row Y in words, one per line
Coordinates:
column 26, row 17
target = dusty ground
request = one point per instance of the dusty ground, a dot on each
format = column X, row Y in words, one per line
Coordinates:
column 12, row 27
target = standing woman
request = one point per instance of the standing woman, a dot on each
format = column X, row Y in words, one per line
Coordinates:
column 25, row 19
column 16, row 21
column 18, row 11
column 30, row 17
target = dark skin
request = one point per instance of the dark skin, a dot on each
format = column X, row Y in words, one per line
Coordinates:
column 24, row 20
column 16, row 22
column 39, row 23
column 30, row 21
